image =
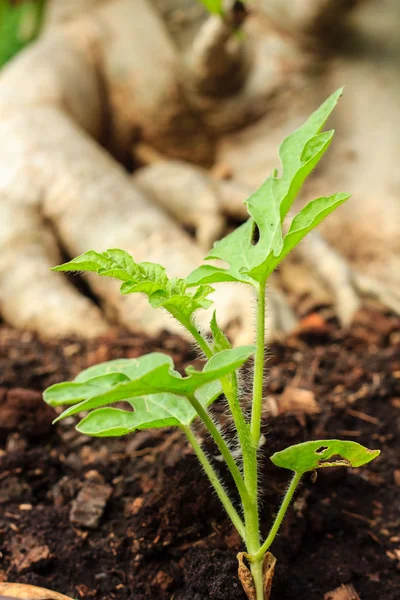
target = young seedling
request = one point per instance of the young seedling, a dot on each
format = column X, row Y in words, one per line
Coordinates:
column 161, row 397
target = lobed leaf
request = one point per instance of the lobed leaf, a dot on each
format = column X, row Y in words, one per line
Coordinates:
column 304, row 222
column 111, row 366
column 145, row 278
column 235, row 249
column 150, row 374
column 251, row 260
column 150, row 412
column 104, row 377
column 309, row 456
column 71, row 393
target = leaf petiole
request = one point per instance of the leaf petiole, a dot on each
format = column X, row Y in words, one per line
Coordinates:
column 202, row 342
column 222, row 447
column 279, row 517
column 230, row 389
column 215, row 482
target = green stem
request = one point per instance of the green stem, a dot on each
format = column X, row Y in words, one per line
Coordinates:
column 229, row 386
column 256, row 568
column 198, row 337
column 258, row 368
column 247, row 488
column 230, row 389
column 251, row 480
column 222, row 446
column 279, row 517
column 214, row 479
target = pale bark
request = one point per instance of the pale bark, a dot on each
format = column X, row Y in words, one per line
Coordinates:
column 188, row 194
column 114, row 77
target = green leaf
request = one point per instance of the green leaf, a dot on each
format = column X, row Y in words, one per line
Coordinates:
column 221, row 342
column 145, row 278
column 112, row 263
column 211, row 274
column 213, row 6
column 306, row 220
column 237, row 250
column 150, row 412
column 252, row 260
column 104, row 377
column 153, row 375
column 323, row 453
column 112, row 366
column 71, row 393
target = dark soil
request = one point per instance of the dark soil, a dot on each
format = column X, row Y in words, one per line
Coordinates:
column 135, row 518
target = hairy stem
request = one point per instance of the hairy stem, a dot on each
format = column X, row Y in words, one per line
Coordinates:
column 202, row 342
column 214, row 479
column 256, row 569
column 258, row 368
column 230, row 389
column 223, row 448
column 251, row 481
column 279, row 517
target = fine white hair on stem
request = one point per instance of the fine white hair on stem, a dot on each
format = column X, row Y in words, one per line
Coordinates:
column 235, row 501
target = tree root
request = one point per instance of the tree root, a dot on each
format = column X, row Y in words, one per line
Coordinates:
column 113, row 77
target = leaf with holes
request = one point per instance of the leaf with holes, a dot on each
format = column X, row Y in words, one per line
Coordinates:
column 323, row 453
column 252, row 260
column 146, row 278
column 153, row 375
column 150, row 412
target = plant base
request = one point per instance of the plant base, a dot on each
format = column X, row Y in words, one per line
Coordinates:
column 246, row 578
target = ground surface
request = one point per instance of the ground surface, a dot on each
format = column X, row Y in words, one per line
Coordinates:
column 156, row 530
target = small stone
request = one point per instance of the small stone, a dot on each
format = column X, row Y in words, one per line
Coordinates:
column 94, row 475
column 344, row 592
column 163, row 581
column 88, row 507
column 298, row 402
column 136, row 505
column 13, row 489
column 16, row 443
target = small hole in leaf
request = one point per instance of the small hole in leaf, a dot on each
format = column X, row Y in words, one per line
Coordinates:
column 334, row 461
column 321, row 449
column 255, row 235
